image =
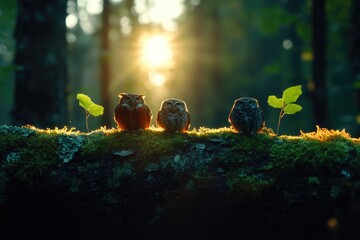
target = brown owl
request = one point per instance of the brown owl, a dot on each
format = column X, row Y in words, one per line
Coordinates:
column 132, row 113
column 173, row 116
column 246, row 116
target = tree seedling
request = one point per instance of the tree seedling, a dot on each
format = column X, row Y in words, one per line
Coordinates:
column 286, row 103
column 90, row 107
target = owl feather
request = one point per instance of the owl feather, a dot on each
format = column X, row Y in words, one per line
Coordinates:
column 246, row 116
column 132, row 113
column 173, row 116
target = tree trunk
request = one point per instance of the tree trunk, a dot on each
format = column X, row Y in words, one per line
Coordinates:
column 215, row 69
column 355, row 51
column 105, row 66
column 40, row 81
column 294, row 8
column 206, row 185
column 198, row 54
column 319, row 64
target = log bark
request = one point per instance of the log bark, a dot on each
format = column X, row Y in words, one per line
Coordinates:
column 61, row 184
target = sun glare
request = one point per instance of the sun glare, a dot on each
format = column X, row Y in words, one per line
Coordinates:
column 156, row 52
column 163, row 12
column 157, row 78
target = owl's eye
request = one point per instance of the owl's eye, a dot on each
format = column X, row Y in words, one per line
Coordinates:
column 178, row 104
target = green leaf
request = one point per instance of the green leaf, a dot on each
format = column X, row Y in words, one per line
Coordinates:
column 291, row 94
column 292, row 108
column 96, row 110
column 275, row 102
column 89, row 106
column 84, row 100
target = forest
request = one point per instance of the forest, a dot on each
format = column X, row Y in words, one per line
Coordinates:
column 70, row 169
column 207, row 53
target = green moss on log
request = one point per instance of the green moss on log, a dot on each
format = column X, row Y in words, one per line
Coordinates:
column 247, row 166
column 27, row 153
column 152, row 179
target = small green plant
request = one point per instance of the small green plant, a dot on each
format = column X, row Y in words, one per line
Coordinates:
column 90, row 107
column 286, row 103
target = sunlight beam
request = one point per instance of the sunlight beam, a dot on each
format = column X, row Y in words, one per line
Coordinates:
column 156, row 52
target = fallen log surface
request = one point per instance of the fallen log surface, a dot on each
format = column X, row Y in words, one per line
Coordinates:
column 206, row 184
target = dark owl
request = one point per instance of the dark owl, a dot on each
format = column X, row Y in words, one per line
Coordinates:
column 132, row 113
column 246, row 116
column 173, row 116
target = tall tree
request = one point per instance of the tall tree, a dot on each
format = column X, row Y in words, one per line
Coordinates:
column 216, row 71
column 319, row 65
column 207, row 75
column 294, row 7
column 105, row 66
column 41, row 79
column 197, row 55
column 355, row 48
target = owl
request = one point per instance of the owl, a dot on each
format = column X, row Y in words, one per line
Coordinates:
column 173, row 116
column 132, row 113
column 246, row 116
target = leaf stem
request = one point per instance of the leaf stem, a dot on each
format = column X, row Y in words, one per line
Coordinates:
column 86, row 120
column 280, row 117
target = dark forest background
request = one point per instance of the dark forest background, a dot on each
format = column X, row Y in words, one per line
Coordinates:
column 220, row 50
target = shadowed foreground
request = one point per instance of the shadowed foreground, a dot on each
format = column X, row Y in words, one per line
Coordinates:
column 211, row 183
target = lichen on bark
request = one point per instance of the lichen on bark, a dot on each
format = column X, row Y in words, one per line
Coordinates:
column 181, row 178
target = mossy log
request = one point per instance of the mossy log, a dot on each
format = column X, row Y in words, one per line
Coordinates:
column 209, row 183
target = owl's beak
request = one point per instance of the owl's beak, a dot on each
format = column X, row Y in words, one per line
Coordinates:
column 172, row 108
column 133, row 102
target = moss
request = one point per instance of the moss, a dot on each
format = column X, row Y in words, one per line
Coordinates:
column 252, row 148
column 29, row 152
column 313, row 180
column 201, row 168
column 323, row 135
column 88, row 167
column 247, row 185
column 148, row 144
column 34, row 157
column 310, row 156
column 120, row 172
column 202, row 176
column 9, row 139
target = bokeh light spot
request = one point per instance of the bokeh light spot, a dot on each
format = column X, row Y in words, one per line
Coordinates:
column 157, row 78
column 332, row 223
column 287, row 44
column 71, row 21
column 94, row 6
